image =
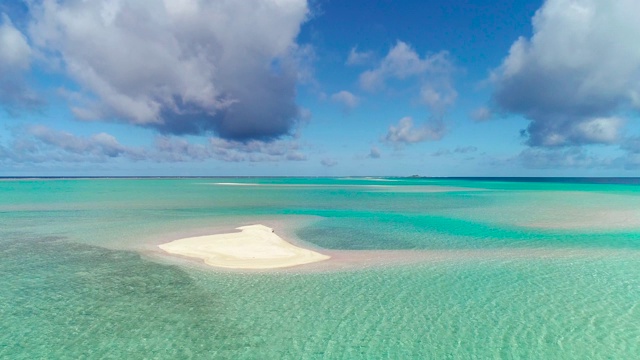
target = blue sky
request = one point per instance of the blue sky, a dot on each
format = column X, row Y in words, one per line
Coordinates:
column 319, row 88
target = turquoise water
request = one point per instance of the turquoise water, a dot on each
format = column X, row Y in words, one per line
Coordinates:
column 80, row 277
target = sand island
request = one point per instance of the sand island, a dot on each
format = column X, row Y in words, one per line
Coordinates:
column 255, row 247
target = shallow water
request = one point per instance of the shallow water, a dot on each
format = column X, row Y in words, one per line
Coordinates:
column 79, row 279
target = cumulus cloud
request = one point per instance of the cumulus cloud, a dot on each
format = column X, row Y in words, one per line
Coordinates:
column 38, row 143
column 406, row 133
column 580, row 68
column 359, row 57
column 256, row 150
column 571, row 157
column 438, row 97
column 183, row 67
column 583, row 131
column 434, row 73
column 347, row 100
column 403, row 62
column 15, row 60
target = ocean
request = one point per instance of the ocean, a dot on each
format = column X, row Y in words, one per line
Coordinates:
column 508, row 268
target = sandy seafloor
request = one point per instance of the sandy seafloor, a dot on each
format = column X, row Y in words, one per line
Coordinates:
column 419, row 268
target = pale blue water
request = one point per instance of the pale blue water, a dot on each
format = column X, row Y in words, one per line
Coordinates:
column 77, row 280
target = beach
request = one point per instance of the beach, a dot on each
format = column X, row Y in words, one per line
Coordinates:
column 254, row 247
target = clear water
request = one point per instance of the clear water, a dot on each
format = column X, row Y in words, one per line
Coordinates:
column 78, row 278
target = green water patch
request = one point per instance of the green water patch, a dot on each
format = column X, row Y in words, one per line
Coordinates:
column 579, row 308
column 69, row 301
column 351, row 230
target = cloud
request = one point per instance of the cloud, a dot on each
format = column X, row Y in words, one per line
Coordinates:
column 15, row 60
column 403, row 62
column 328, row 162
column 347, row 100
column 572, row 157
column 481, row 114
column 182, row 67
column 577, row 132
column 632, row 145
column 256, row 150
column 580, row 68
column 38, row 144
column 406, row 133
column 457, row 150
column 359, row 58
column 438, row 97
column 374, row 153
column 16, row 52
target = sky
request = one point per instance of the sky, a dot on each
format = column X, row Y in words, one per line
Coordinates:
column 319, row 88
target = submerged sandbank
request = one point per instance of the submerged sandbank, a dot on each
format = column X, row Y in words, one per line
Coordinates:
column 255, row 247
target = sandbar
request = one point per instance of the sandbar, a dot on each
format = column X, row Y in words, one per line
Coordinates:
column 254, row 247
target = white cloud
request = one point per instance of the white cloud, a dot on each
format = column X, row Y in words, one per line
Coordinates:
column 359, row 58
column 15, row 60
column 406, row 133
column 403, row 62
column 181, row 66
column 16, row 52
column 438, row 98
column 347, row 100
column 632, row 145
column 433, row 74
column 578, row 70
column 481, row 114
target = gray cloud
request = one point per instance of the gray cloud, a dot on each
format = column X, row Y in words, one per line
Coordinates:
column 572, row 157
column 577, row 71
column 184, row 67
column 256, row 150
column 37, row 144
column 374, row 153
column 406, row 133
column 632, row 145
column 328, row 162
column 457, row 150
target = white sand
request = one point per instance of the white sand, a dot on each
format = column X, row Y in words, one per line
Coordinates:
column 255, row 247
